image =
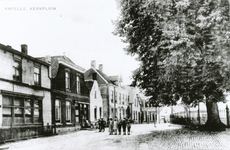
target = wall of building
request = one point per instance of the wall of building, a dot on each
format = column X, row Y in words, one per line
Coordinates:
column 105, row 100
column 95, row 102
column 24, row 87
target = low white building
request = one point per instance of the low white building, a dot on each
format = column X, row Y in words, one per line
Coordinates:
column 96, row 103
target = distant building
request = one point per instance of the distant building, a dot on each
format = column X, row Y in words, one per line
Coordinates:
column 150, row 113
column 25, row 100
column 135, row 104
column 115, row 96
column 70, row 96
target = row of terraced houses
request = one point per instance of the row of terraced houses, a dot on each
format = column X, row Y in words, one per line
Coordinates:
column 51, row 94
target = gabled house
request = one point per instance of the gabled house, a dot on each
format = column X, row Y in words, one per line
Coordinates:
column 69, row 95
column 25, row 100
column 115, row 97
column 96, row 107
column 135, row 104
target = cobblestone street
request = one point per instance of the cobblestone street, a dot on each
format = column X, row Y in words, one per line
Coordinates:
column 144, row 136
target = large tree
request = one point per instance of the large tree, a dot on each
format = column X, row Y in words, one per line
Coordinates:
column 183, row 48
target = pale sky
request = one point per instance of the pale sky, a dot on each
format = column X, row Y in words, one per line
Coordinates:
column 82, row 29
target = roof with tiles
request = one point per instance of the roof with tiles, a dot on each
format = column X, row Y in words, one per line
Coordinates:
column 101, row 74
column 55, row 60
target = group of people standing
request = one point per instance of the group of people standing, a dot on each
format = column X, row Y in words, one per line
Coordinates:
column 115, row 126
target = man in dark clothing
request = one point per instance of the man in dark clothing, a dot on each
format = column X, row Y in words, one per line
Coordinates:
column 124, row 126
column 119, row 126
column 128, row 126
column 102, row 125
column 99, row 123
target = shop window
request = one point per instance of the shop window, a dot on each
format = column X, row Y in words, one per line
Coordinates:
column 68, row 111
column 18, row 110
column 58, row 111
column 37, row 111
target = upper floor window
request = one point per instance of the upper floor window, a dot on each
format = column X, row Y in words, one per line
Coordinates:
column 17, row 70
column 112, row 96
column 67, row 80
column 78, row 84
column 95, row 94
column 37, row 75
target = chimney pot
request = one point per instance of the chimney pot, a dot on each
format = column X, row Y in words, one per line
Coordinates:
column 100, row 68
column 93, row 64
column 24, row 49
column 48, row 58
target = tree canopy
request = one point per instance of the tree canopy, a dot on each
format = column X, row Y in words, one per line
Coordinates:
column 183, row 47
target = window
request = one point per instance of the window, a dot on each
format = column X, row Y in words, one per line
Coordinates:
column 115, row 97
column 112, row 96
column 78, row 84
column 17, row 70
column 67, row 80
column 19, row 110
column 111, row 112
column 57, row 111
column 95, row 113
column 120, row 113
column 119, row 98
column 123, row 99
column 68, row 111
column 95, row 94
column 77, row 112
column 37, row 75
column 100, row 111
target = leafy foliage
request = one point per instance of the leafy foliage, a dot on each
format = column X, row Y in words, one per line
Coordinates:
column 183, row 47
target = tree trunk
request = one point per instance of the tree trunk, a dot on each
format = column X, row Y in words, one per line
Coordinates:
column 213, row 121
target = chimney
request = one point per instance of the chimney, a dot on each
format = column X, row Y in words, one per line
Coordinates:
column 100, row 68
column 48, row 58
column 93, row 64
column 24, row 49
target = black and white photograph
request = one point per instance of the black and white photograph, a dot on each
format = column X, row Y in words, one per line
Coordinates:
column 114, row 74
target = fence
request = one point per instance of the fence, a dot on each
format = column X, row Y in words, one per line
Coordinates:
column 198, row 117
